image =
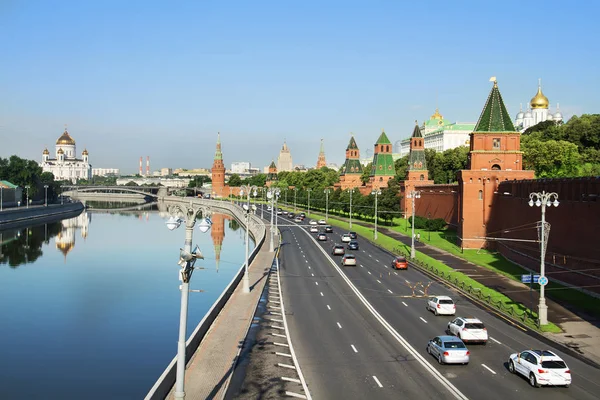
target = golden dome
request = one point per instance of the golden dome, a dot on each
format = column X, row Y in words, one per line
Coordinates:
column 539, row 100
column 46, row 152
column 85, row 152
column 66, row 139
column 437, row 115
column 60, row 151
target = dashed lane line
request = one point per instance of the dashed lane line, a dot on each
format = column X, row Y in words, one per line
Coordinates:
column 329, row 308
column 339, row 326
column 422, row 319
column 488, row 368
column 495, row 340
column 354, row 348
column 377, row 381
column 390, row 291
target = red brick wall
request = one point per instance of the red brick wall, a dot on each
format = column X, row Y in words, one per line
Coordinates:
column 441, row 201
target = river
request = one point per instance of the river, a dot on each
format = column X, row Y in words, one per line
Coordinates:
column 89, row 306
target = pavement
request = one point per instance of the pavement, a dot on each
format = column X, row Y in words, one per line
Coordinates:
column 209, row 371
column 581, row 332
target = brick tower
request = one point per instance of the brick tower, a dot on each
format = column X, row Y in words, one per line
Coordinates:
column 352, row 169
column 382, row 168
column 217, row 232
column 272, row 175
column 417, row 174
column 218, row 171
column 495, row 156
column 321, row 160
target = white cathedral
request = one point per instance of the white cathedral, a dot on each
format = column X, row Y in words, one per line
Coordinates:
column 538, row 112
column 66, row 165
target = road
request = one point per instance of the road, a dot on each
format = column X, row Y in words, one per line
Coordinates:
column 359, row 334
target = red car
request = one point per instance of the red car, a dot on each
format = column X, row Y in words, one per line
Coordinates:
column 400, row 263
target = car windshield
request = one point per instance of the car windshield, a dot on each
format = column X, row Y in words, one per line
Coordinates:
column 454, row 345
column 474, row 325
column 446, row 301
column 554, row 364
column 349, row 257
column 399, row 259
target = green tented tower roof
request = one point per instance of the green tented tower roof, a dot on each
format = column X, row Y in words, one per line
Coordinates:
column 352, row 145
column 383, row 139
column 494, row 117
column 273, row 165
column 417, row 131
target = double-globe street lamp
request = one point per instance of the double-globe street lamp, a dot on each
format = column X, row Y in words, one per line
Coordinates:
column 187, row 259
column 308, row 213
column 414, row 194
column 46, row 196
column 543, row 199
column 326, row 204
column 247, row 209
column 295, row 192
column 351, row 191
column 271, row 195
column 376, row 193
column 27, row 196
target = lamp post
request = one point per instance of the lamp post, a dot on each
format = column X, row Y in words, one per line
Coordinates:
column 187, row 259
column 262, row 206
column 46, row 196
column 270, row 197
column 326, row 204
column 414, row 194
column 295, row 191
column 376, row 193
column 308, row 213
column 27, row 189
column 1, row 198
column 543, row 199
column 351, row 191
column 429, row 225
column 285, row 191
column 276, row 199
column 247, row 189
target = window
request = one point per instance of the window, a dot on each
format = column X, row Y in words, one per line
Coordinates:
column 496, row 144
column 422, row 177
column 496, row 167
column 480, row 197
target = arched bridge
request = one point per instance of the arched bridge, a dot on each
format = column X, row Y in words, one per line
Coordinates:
column 151, row 191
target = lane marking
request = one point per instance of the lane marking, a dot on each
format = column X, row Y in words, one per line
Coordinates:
column 312, row 274
column 395, row 273
column 488, row 368
column 390, row 291
column 354, row 348
column 422, row 292
column 338, row 324
column 317, row 283
column 378, row 281
column 369, row 272
column 329, row 308
column 370, row 256
column 309, row 267
column 362, row 266
column 495, row 340
column 423, row 319
column 376, row 260
column 377, row 381
column 407, row 281
column 285, row 378
column 321, row 294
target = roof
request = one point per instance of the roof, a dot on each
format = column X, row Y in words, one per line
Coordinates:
column 383, row 139
column 352, row 166
column 7, row 185
column 352, row 145
column 272, row 165
column 417, row 132
column 494, row 117
column 444, row 297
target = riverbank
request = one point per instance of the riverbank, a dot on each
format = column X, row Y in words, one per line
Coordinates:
column 13, row 217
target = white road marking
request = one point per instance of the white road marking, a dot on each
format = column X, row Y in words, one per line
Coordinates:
column 309, row 267
column 338, row 324
column 354, row 348
column 370, row 256
column 395, row 273
column 369, row 272
column 317, row 283
column 321, row 294
column 378, row 281
column 362, row 266
column 376, row 260
column 312, row 274
column 495, row 340
column 422, row 292
column 390, row 291
column 422, row 319
column 329, row 308
column 488, row 368
column 377, row 381
column 407, row 281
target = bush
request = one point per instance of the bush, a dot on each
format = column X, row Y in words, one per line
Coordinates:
column 434, row 225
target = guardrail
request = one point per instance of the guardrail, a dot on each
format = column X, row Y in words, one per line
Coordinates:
column 257, row 230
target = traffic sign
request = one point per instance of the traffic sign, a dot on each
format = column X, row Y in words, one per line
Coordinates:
column 526, row 278
column 543, row 281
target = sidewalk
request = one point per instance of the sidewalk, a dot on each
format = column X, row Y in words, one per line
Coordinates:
column 209, row 370
column 578, row 334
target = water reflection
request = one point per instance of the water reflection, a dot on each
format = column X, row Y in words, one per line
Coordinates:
column 24, row 245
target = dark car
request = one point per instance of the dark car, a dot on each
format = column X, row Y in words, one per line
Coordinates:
column 303, row 215
column 353, row 245
column 291, row 215
column 338, row 250
column 353, row 235
column 329, row 229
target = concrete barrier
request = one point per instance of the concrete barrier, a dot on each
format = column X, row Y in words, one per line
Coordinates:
column 257, row 230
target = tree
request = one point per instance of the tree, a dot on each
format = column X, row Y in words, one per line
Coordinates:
column 199, row 181
column 551, row 158
column 234, row 180
column 364, row 178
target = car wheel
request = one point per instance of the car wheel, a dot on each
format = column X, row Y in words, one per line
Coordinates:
column 511, row 367
column 567, row 386
column 435, row 311
column 440, row 360
column 428, row 349
column 532, row 381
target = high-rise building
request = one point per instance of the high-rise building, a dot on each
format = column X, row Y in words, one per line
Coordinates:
column 284, row 161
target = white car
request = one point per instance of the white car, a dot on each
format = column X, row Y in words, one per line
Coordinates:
column 312, row 222
column 349, row 259
column 314, row 229
column 322, row 222
column 540, row 367
column 441, row 305
column 346, row 238
column 468, row 329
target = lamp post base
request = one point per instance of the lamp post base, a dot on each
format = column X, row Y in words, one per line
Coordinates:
column 246, row 283
column 543, row 312
column 412, row 253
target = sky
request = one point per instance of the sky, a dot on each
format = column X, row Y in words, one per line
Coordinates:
column 134, row 78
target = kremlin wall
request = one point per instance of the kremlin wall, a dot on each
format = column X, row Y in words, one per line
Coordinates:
column 489, row 205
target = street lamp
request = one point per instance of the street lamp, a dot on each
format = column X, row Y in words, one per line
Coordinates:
column 247, row 209
column 1, row 198
column 308, row 213
column 429, row 225
column 27, row 188
column 187, row 259
column 414, row 194
column 271, row 196
column 326, row 204
column 295, row 191
column 351, row 191
column 46, row 197
column 376, row 193
column 543, row 199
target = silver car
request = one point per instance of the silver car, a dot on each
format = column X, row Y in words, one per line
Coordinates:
column 448, row 350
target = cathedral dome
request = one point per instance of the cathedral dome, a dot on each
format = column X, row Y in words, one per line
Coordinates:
column 539, row 100
column 65, row 139
column 549, row 117
column 85, row 152
column 437, row 115
column 558, row 116
column 46, row 152
column 520, row 115
column 60, row 151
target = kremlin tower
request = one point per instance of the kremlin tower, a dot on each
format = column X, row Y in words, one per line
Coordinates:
column 321, row 160
column 218, row 171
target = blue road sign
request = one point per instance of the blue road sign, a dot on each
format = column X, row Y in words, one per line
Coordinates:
column 543, row 281
column 526, row 278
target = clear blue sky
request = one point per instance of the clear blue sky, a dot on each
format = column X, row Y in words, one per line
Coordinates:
column 157, row 78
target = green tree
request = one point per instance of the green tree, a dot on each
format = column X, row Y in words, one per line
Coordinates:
column 551, row 158
column 234, row 180
column 364, row 178
column 199, row 181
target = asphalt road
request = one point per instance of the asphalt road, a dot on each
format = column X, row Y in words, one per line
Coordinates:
column 370, row 342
